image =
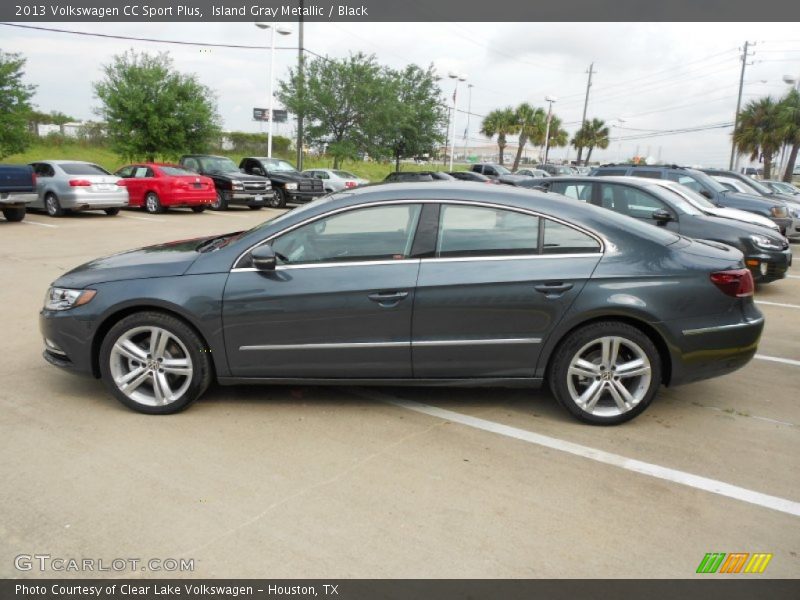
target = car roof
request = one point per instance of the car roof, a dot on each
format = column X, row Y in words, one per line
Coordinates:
column 65, row 162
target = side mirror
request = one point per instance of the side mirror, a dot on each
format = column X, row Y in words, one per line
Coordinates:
column 264, row 258
column 661, row 216
column 707, row 194
column 258, row 171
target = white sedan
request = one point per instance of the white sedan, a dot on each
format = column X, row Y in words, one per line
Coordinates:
column 336, row 180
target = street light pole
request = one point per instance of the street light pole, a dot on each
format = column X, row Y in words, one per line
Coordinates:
column 272, row 30
column 469, row 112
column 550, row 100
column 458, row 78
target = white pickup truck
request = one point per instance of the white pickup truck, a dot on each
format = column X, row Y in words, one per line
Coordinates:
column 17, row 190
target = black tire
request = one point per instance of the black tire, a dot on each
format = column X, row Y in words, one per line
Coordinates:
column 53, row 206
column 219, row 203
column 14, row 214
column 196, row 349
column 152, row 204
column 112, row 212
column 198, row 209
column 254, row 206
column 278, row 199
column 558, row 374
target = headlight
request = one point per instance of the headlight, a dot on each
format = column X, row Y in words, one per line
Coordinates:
column 291, row 186
column 766, row 243
column 779, row 211
column 63, row 299
column 237, row 185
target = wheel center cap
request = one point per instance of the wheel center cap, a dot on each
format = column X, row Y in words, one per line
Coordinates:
column 606, row 376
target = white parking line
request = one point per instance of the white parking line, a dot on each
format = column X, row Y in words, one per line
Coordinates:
column 29, row 222
column 793, row 276
column 777, row 359
column 765, row 303
column 630, row 464
column 141, row 218
column 217, row 213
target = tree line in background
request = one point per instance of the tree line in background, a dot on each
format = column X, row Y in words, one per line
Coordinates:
column 766, row 126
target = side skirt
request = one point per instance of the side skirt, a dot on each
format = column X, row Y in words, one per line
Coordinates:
column 507, row 382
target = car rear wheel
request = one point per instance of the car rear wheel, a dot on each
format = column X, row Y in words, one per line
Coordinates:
column 152, row 203
column 219, row 203
column 198, row 209
column 53, row 206
column 606, row 373
column 14, row 213
column 278, row 199
column 154, row 363
column 254, row 207
column 112, row 212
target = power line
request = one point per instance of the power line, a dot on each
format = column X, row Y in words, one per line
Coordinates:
column 672, row 132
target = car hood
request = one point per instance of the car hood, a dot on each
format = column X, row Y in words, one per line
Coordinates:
column 743, row 216
column 235, row 175
column 741, row 227
column 286, row 177
column 163, row 260
column 769, row 201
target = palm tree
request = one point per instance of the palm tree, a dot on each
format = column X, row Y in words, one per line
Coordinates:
column 500, row 123
column 531, row 123
column 759, row 131
column 592, row 133
column 790, row 123
column 558, row 136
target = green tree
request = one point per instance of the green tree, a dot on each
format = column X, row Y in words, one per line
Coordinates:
column 411, row 118
column 593, row 133
column 501, row 123
column 15, row 105
column 559, row 137
column 152, row 110
column 531, row 123
column 790, row 123
column 339, row 99
column 759, row 131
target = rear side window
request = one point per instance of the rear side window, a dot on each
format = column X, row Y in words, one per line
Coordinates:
column 124, row 172
column 82, row 169
column 478, row 231
column 577, row 191
column 563, row 239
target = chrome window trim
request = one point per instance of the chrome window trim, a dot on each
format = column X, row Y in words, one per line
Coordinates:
column 594, row 235
column 406, row 344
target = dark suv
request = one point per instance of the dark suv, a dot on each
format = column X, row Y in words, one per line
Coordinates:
column 766, row 253
column 289, row 184
column 233, row 186
column 707, row 186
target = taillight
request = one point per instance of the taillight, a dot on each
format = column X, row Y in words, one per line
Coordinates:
column 122, row 183
column 350, row 184
column 737, row 283
column 33, row 179
column 80, row 183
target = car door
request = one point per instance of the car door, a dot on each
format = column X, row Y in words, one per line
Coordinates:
column 637, row 203
column 338, row 305
column 497, row 283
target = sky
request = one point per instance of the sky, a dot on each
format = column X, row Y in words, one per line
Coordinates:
column 650, row 77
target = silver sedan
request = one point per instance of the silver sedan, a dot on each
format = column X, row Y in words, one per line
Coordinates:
column 336, row 180
column 72, row 185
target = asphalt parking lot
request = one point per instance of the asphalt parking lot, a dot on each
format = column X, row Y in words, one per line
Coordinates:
column 342, row 482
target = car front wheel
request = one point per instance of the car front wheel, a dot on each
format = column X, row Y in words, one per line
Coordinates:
column 278, row 200
column 154, row 363
column 606, row 373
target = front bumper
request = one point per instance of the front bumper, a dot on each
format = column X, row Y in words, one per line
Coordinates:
column 249, row 198
column 769, row 266
column 67, row 340
column 301, row 196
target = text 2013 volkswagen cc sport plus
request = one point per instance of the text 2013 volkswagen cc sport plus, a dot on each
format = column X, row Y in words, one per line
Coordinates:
column 413, row 284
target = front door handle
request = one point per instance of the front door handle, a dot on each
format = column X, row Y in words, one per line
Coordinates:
column 387, row 299
column 553, row 290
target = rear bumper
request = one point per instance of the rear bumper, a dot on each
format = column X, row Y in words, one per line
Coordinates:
column 80, row 200
column 702, row 350
column 189, row 198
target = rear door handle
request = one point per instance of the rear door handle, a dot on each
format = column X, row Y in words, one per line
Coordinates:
column 387, row 299
column 553, row 290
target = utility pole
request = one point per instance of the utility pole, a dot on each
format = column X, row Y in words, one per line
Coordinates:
column 744, row 56
column 469, row 112
column 591, row 72
column 300, row 89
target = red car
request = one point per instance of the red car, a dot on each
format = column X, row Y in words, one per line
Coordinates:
column 156, row 187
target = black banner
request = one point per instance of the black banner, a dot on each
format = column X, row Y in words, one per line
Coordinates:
column 407, row 10
column 377, row 589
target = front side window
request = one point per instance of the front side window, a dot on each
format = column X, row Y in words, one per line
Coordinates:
column 480, row 231
column 364, row 234
column 629, row 201
column 577, row 191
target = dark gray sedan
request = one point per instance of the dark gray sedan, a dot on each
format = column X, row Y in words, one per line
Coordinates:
column 413, row 284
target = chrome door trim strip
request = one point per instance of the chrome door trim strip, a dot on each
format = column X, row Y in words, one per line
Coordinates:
column 600, row 239
column 716, row 328
column 352, row 263
column 406, row 344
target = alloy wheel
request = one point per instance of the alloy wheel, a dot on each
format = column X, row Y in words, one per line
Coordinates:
column 609, row 376
column 151, row 366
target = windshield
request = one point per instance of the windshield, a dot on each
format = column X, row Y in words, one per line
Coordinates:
column 692, row 197
column 681, row 203
column 501, row 170
column 344, row 174
column 707, row 181
column 218, row 164
column 276, row 164
column 757, row 186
